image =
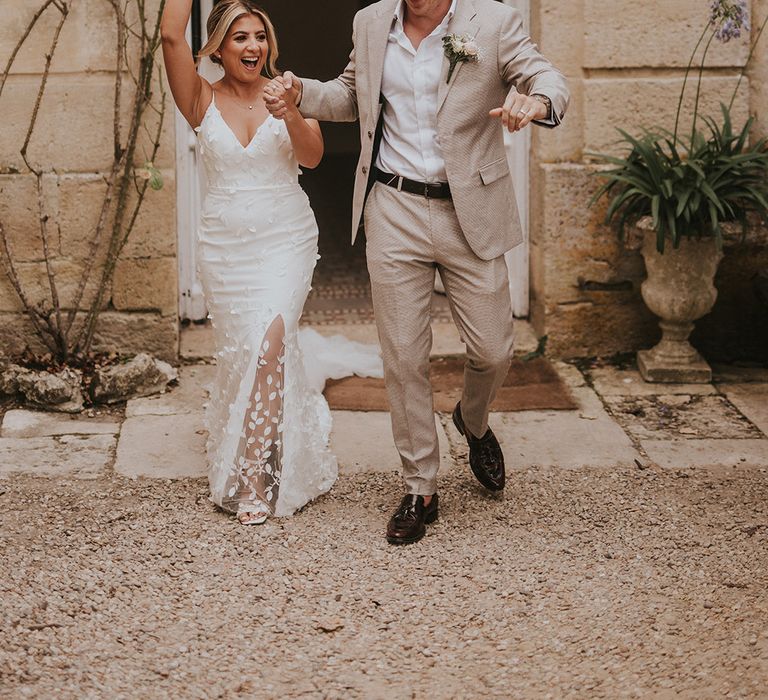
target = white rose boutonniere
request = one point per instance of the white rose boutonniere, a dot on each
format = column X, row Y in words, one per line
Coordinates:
column 459, row 49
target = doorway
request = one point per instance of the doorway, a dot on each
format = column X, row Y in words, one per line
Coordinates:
column 317, row 42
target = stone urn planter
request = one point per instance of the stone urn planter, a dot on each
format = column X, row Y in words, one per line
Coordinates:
column 679, row 290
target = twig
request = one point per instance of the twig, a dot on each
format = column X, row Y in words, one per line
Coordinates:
column 43, row 83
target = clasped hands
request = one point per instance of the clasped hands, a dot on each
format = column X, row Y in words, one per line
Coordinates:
column 281, row 95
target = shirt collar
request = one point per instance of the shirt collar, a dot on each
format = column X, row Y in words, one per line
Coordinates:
column 400, row 11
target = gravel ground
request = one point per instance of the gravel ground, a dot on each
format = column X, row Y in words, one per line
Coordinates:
column 579, row 584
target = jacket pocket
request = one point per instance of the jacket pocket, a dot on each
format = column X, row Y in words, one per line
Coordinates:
column 494, row 171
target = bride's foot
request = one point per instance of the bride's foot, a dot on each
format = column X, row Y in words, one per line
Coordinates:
column 253, row 513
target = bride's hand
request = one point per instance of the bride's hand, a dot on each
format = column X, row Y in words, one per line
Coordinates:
column 281, row 95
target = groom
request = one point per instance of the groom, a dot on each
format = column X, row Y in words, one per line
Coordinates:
column 429, row 81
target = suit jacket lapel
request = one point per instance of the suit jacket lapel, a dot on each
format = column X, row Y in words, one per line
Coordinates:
column 378, row 34
column 464, row 22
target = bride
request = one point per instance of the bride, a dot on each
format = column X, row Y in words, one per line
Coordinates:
column 257, row 246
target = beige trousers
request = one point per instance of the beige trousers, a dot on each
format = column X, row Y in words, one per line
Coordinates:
column 407, row 237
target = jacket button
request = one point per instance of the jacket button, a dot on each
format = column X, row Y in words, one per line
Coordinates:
column 365, row 170
column 370, row 134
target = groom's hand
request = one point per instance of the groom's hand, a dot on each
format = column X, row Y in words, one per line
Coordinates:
column 519, row 111
column 282, row 95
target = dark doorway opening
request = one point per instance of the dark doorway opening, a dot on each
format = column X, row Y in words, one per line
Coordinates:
column 315, row 41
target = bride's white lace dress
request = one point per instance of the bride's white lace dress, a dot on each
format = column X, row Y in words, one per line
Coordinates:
column 257, row 248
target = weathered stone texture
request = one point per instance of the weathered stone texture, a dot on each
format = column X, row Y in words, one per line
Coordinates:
column 626, row 33
column 132, row 333
column 145, row 284
column 632, row 103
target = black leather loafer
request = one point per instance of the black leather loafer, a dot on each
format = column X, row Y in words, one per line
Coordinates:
column 486, row 460
column 408, row 523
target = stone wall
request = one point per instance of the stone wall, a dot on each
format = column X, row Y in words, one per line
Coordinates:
column 625, row 62
column 73, row 142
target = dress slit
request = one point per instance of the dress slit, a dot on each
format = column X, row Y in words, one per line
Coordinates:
column 259, row 456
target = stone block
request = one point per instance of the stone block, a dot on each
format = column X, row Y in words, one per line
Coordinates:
column 586, row 438
column 132, row 333
column 146, row 285
column 189, row 396
column 33, row 278
column 162, row 447
column 78, row 456
column 552, row 26
column 20, row 216
column 17, row 334
column 154, row 234
column 708, row 454
column 634, row 103
column 587, row 329
column 611, row 381
column 87, row 41
column 20, row 423
column 74, row 127
column 627, row 34
column 566, row 142
column 363, row 442
column 80, row 200
column 751, row 400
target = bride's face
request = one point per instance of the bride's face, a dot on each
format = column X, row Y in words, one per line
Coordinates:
column 245, row 48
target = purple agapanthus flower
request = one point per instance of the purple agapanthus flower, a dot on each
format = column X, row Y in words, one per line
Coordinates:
column 728, row 18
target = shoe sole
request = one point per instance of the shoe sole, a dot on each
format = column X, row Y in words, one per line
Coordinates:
column 479, row 476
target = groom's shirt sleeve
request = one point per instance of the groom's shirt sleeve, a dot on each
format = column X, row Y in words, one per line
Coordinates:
column 525, row 70
column 335, row 100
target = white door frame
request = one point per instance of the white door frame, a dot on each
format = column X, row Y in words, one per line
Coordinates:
column 519, row 156
column 189, row 202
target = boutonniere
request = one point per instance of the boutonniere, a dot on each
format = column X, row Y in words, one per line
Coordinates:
column 459, row 48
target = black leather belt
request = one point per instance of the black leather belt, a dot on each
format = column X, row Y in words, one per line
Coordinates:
column 438, row 190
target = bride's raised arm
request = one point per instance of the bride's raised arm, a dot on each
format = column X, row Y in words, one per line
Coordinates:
column 190, row 91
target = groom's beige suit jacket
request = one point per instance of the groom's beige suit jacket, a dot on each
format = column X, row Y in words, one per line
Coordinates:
column 471, row 141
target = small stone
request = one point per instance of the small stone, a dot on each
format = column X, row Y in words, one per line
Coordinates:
column 55, row 392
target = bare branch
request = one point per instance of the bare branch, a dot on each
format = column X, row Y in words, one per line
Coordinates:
column 41, row 91
column 21, row 41
column 13, row 276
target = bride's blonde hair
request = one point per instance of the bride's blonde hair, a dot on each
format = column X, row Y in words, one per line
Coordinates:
column 222, row 16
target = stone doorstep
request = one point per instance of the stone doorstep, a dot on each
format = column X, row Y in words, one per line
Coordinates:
column 20, row 423
column 79, row 456
column 707, row 454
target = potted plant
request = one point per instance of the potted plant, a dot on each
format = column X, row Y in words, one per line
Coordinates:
column 687, row 187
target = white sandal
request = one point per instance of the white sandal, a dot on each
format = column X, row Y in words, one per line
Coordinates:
column 253, row 513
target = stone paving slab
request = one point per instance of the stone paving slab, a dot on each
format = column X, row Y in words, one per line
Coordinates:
column 363, row 442
column 162, row 447
column 610, row 381
column 20, row 423
column 187, row 397
column 751, row 400
column 707, row 454
column 78, row 456
column 588, row 437
column 681, row 416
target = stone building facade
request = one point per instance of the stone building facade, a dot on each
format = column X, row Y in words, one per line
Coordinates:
column 625, row 63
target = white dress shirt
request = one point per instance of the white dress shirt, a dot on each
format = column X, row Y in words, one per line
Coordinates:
column 409, row 145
